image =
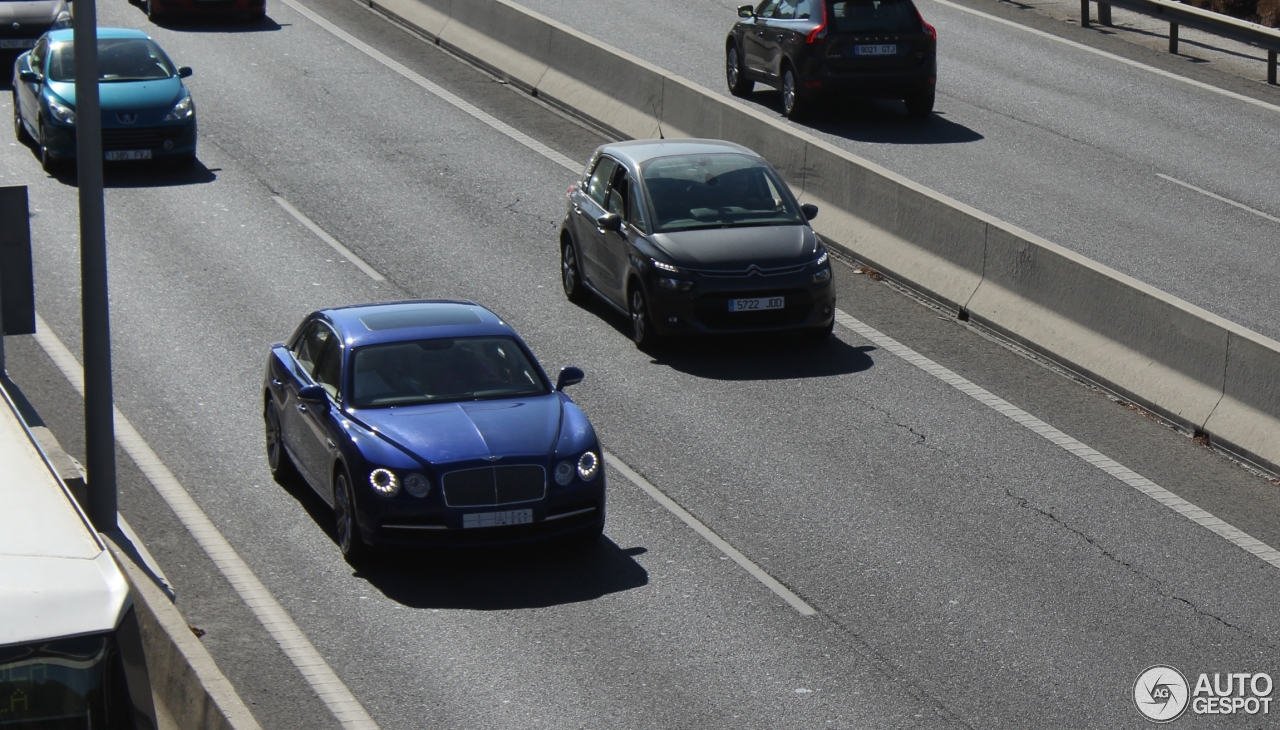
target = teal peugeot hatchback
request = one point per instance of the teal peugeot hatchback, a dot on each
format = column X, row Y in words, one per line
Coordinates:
column 147, row 112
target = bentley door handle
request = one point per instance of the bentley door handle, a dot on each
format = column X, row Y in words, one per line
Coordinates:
column 276, row 383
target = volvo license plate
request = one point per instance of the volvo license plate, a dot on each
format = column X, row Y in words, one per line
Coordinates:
column 126, row 155
column 756, row 304
column 876, row 50
column 498, row 519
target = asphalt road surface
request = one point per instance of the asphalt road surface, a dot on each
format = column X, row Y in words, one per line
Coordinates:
column 1055, row 139
column 964, row 570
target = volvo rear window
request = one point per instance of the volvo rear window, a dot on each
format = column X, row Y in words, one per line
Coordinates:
column 874, row 16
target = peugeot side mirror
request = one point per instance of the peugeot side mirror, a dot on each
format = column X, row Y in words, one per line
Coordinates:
column 609, row 222
column 746, row 11
column 569, row 376
column 312, row 394
column 29, row 77
column 810, row 211
column 184, row 72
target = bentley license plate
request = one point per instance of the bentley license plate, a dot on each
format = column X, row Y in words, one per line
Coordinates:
column 125, row 155
column 498, row 519
column 875, row 50
column 756, row 304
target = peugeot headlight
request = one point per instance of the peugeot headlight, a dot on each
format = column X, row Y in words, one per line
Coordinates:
column 417, row 485
column 62, row 112
column 384, row 482
column 63, row 20
column 564, row 473
column 588, row 466
column 182, row 110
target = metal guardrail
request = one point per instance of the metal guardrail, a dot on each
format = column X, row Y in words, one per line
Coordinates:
column 1179, row 14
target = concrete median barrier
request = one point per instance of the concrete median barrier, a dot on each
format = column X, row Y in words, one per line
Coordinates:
column 1197, row 369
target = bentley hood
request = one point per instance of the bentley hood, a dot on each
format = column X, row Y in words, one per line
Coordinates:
column 449, row 432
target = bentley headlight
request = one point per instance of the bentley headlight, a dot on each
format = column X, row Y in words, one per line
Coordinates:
column 62, row 112
column 564, row 473
column 588, row 466
column 182, row 110
column 417, row 485
column 384, row 482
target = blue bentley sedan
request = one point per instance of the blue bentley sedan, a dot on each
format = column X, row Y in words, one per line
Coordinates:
column 147, row 112
column 430, row 422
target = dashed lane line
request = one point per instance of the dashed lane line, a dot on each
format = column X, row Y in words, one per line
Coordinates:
column 295, row 644
column 1219, row 198
column 323, row 235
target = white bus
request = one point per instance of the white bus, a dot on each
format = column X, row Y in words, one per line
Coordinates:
column 70, row 652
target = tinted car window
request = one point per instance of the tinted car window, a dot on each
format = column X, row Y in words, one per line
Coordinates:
column 766, row 8
column 716, row 191
column 430, row 371
column 37, row 56
column 617, row 201
column 598, row 186
column 311, row 345
column 119, row 59
column 328, row 368
column 786, row 10
column 870, row 16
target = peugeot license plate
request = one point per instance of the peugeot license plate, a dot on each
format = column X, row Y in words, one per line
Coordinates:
column 756, row 304
column 876, row 50
column 498, row 519
column 126, row 155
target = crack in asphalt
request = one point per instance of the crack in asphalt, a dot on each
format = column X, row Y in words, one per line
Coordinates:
column 511, row 208
column 1161, row 589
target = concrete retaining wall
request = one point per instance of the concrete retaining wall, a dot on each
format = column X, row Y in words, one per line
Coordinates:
column 1193, row 367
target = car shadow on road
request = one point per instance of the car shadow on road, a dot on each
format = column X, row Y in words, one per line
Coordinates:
column 782, row 356
column 878, row 121
column 505, row 579
column 143, row 175
column 214, row 24
column 772, row 356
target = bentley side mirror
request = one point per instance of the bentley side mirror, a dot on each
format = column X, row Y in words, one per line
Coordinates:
column 29, row 77
column 810, row 211
column 184, row 72
column 609, row 222
column 746, row 11
column 313, row 394
column 569, row 376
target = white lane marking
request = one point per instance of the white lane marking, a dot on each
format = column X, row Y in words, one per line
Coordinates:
column 1111, row 56
column 1215, row 196
column 710, row 536
column 295, row 644
column 324, row 236
column 385, row 60
column 1233, row 535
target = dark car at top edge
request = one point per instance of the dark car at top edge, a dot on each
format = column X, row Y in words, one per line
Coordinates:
column 430, row 423
column 810, row 49
column 694, row 237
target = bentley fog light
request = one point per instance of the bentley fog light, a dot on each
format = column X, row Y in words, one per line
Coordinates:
column 588, row 466
column 564, row 473
column 417, row 485
column 384, row 482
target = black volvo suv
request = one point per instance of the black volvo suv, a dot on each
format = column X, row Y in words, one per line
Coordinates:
column 809, row 48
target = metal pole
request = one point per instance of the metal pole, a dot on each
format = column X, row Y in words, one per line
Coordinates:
column 1271, row 67
column 1084, row 13
column 1173, row 38
column 99, row 425
column 1104, row 13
